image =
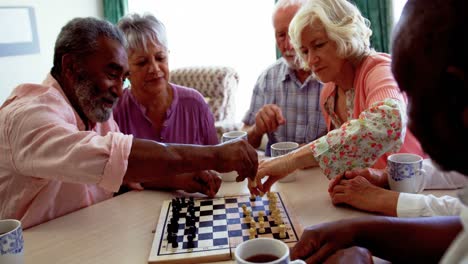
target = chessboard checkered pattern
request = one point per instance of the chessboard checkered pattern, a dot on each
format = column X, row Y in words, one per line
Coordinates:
column 220, row 224
column 238, row 227
column 211, row 228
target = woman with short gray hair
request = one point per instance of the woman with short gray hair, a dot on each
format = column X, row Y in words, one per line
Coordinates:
column 152, row 108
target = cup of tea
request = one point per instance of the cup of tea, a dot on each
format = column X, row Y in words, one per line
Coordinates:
column 233, row 135
column 232, row 175
column 281, row 148
column 263, row 250
column 11, row 242
column 405, row 172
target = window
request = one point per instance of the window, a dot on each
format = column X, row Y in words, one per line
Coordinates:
column 235, row 33
column 397, row 9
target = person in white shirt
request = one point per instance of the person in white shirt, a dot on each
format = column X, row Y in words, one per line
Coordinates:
column 367, row 189
column 429, row 62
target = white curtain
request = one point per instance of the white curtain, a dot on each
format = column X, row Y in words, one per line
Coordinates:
column 235, row 33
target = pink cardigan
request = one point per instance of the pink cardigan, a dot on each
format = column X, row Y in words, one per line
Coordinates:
column 374, row 82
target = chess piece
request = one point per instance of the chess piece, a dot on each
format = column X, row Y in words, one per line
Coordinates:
column 282, row 231
column 253, row 197
column 190, row 237
column 276, row 212
column 261, row 220
column 261, row 230
column 272, row 206
column 244, row 208
column 260, row 215
column 172, row 238
column 273, row 199
column 192, row 231
column 247, row 216
column 252, row 233
column 252, row 223
column 169, row 234
column 175, row 244
column 190, row 243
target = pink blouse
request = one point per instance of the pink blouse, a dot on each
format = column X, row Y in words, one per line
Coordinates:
column 50, row 165
column 376, row 125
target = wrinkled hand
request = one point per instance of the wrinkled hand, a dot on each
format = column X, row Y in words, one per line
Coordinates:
column 361, row 194
column 237, row 155
column 319, row 242
column 355, row 255
column 205, row 182
column 274, row 169
column 374, row 176
column 269, row 118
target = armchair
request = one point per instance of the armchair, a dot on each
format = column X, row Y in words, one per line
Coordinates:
column 218, row 85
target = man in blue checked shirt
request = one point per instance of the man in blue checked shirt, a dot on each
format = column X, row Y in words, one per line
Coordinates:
column 285, row 100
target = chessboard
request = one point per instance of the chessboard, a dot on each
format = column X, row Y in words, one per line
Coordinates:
column 206, row 230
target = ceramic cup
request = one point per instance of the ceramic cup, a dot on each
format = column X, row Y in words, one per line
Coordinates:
column 264, row 246
column 11, row 242
column 281, row 148
column 405, row 173
column 232, row 175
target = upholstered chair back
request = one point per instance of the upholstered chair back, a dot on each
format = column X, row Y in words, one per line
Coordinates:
column 217, row 84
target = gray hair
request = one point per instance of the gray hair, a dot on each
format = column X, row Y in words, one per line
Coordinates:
column 342, row 22
column 281, row 4
column 80, row 38
column 140, row 30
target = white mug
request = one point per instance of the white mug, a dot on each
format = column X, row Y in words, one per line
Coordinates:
column 11, row 242
column 232, row 175
column 405, row 172
column 281, row 148
column 266, row 248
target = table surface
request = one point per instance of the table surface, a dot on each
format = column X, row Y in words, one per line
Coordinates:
column 120, row 230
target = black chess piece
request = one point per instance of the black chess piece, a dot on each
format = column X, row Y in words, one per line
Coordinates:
column 175, row 244
column 190, row 243
column 188, row 222
column 174, row 226
column 169, row 234
column 175, row 214
column 191, row 210
column 192, row 230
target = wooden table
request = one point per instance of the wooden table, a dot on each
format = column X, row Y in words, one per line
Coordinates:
column 119, row 230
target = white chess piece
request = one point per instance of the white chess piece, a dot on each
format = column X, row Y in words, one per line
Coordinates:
column 252, row 233
column 252, row 223
column 247, row 216
column 261, row 230
column 282, row 231
column 244, row 208
column 260, row 216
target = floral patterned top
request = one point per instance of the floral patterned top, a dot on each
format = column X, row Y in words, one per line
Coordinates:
column 358, row 143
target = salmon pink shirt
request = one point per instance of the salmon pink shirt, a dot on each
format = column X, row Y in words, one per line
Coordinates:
column 376, row 125
column 50, row 164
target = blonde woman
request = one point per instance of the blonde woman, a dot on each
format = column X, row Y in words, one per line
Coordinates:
column 364, row 110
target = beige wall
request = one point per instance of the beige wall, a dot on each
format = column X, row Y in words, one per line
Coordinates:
column 51, row 15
